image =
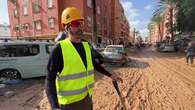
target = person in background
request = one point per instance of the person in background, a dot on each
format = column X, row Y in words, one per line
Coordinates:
column 190, row 53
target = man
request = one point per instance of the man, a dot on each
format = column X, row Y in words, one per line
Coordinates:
column 97, row 56
column 190, row 53
column 70, row 77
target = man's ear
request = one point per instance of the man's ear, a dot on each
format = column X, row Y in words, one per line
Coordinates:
column 67, row 28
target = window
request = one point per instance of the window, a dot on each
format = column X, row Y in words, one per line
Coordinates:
column 89, row 21
column 19, row 50
column 25, row 7
column 26, row 27
column 49, row 3
column 15, row 13
column 51, row 22
column 25, row 10
column 49, row 48
column 98, row 10
column 17, row 27
column 37, row 25
column 36, row 7
column 89, row 3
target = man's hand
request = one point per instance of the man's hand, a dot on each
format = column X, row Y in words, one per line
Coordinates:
column 116, row 78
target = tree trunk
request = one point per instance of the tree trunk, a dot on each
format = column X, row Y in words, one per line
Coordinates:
column 162, row 30
column 171, row 21
column 159, row 33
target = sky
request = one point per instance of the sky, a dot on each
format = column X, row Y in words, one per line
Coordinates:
column 139, row 13
column 3, row 12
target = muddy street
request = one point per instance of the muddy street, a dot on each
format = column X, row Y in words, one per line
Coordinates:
column 152, row 81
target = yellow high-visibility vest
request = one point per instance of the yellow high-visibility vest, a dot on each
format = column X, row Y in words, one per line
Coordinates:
column 75, row 80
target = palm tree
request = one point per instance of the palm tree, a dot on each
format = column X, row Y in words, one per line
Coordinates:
column 185, row 16
column 169, row 5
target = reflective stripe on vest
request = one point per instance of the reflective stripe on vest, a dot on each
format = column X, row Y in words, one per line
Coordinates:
column 74, row 92
column 75, row 76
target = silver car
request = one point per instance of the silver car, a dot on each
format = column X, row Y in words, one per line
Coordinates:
column 168, row 48
column 24, row 59
column 115, row 54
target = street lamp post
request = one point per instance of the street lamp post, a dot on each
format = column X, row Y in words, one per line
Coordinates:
column 94, row 33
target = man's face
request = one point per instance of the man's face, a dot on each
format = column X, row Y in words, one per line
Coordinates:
column 76, row 28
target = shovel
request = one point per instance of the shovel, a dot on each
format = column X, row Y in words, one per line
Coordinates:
column 115, row 84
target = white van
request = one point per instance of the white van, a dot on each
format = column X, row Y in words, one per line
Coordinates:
column 24, row 59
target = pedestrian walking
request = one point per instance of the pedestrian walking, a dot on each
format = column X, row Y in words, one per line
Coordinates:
column 190, row 53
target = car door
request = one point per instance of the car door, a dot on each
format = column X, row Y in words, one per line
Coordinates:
column 28, row 60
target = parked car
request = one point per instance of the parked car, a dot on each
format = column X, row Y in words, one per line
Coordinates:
column 168, row 48
column 24, row 59
column 115, row 54
column 98, row 47
column 158, row 46
column 181, row 44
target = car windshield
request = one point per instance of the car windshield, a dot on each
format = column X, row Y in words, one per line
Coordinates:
column 114, row 49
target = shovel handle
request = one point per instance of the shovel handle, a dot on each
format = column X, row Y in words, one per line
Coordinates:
column 115, row 84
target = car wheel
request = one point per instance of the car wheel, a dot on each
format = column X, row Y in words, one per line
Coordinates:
column 10, row 74
column 124, row 61
column 123, row 64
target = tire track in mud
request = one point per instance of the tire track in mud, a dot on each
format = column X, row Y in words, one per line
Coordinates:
column 28, row 99
column 159, row 62
column 182, row 72
column 188, row 71
column 152, row 82
column 131, row 86
column 136, row 89
column 155, row 83
column 131, row 78
column 188, row 91
column 180, row 64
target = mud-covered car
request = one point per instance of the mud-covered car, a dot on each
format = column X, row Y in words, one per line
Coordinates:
column 24, row 59
column 115, row 54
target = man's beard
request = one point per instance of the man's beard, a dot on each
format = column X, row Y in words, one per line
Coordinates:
column 78, row 33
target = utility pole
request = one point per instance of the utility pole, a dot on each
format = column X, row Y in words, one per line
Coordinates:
column 94, row 33
column 113, row 19
column 134, row 32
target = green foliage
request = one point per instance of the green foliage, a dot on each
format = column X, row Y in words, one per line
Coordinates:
column 185, row 14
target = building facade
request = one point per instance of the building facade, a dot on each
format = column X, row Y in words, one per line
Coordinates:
column 33, row 18
column 41, row 18
column 121, row 27
column 160, row 32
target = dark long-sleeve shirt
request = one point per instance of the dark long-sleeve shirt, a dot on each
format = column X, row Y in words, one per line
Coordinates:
column 55, row 65
column 191, row 49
